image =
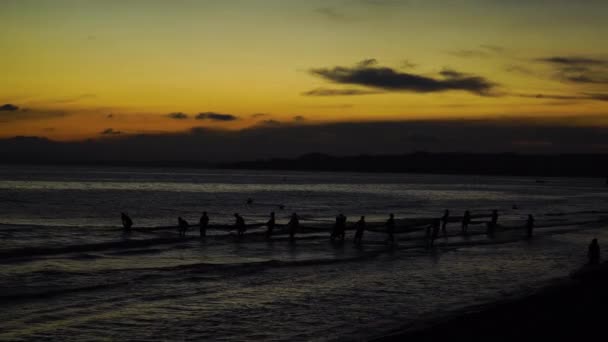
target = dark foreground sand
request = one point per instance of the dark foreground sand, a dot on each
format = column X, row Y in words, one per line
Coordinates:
column 572, row 309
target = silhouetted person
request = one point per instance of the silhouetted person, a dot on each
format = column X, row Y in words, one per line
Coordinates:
column 294, row 224
column 270, row 225
column 466, row 219
column 529, row 226
column 339, row 228
column 359, row 229
column 249, row 201
column 126, row 221
column 281, row 207
column 182, row 226
column 239, row 224
column 390, row 228
column 203, row 223
column 493, row 223
column 444, row 222
column 494, row 217
column 435, row 226
column 594, row 252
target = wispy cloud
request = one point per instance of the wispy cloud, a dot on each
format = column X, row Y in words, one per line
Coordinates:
column 178, row 116
column 339, row 92
column 576, row 69
column 110, row 131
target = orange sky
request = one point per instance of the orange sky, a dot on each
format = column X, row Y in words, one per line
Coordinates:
column 75, row 69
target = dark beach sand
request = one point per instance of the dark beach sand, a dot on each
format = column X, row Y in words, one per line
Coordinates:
column 573, row 308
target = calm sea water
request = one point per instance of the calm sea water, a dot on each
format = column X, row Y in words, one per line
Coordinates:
column 68, row 273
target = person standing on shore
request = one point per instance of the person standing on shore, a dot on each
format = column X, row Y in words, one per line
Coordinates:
column 529, row 226
column 270, row 225
column 466, row 219
column 359, row 229
column 294, row 224
column 390, row 228
column 444, row 222
column 594, row 252
column 203, row 223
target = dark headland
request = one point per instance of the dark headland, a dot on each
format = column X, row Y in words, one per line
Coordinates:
column 570, row 309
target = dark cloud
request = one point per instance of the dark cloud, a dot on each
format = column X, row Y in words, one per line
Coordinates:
column 339, row 92
column 392, row 80
column 178, row 116
column 8, row 108
column 299, row 118
column 110, row 131
column 573, row 61
column 216, row 116
column 578, row 69
column 258, row 115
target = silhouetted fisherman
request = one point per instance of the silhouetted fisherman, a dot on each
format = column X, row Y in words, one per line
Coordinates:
column 359, row 229
column 530, row 226
column 434, row 231
column 182, row 226
column 203, row 223
column 594, row 252
column 294, row 224
column 390, row 228
column 493, row 223
column 126, row 221
column 339, row 228
column 270, row 225
column 239, row 224
column 444, row 222
column 466, row 219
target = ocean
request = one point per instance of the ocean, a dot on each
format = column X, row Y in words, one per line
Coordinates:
column 69, row 273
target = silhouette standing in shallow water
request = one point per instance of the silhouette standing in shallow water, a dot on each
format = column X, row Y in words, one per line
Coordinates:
column 594, row 252
column 294, row 224
column 390, row 228
column 182, row 226
column 466, row 219
column 339, row 228
column 359, row 229
column 433, row 232
column 444, row 222
column 529, row 226
column 239, row 224
column 126, row 221
column 203, row 223
column 270, row 225
column 493, row 222
column 249, row 201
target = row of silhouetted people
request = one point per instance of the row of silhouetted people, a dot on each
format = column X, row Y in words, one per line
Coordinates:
column 338, row 231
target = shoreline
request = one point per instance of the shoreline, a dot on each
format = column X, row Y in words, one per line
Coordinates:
column 572, row 306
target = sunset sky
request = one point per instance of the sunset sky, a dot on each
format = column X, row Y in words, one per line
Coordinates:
column 76, row 69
